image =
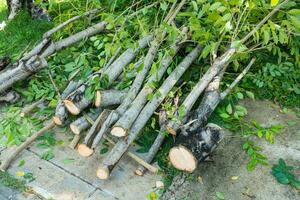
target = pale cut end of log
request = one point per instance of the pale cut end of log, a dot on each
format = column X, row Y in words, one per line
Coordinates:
column 103, row 173
column 139, row 171
column 74, row 129
column 98, row 99
column 182, row 159
column 84, row 150
column 57, row 120
column 72, row 108
column 118, row 131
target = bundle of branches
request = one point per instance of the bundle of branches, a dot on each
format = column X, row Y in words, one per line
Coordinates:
column 124, row 114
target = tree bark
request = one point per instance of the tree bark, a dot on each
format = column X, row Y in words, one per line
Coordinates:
column 194, row 147
column 83, row 123
column 120, row 148
column 134, row 90
column 84, row 149
column 112, row 72
column 10, row 97
column 25, row 68
column 61, row 113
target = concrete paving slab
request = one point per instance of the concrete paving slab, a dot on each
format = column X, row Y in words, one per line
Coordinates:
column 51, row 181
column 123, row 184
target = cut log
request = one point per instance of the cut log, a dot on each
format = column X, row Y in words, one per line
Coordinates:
column 195, row 143
column 120, row 148
column 84, row 148
column 106, row 98
column 212, row 98
column 194, row 147
column 29, row 108
column 111, row 74
column 61, row 113
column 5, row 164
column 83, row 123
column 124, row 123
column 135, row 88
column 10, row 97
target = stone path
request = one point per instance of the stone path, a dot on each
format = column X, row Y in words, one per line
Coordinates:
column 61, row 180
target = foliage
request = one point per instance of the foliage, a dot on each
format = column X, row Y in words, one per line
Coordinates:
column 284, row 174
column 255, row 155
column 14, row 129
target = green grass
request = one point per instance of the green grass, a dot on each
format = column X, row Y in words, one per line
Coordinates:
column 20, row 34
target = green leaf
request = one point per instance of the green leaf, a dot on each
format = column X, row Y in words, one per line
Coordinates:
column 240, row 95
column 250, row 95
column 215, row 6
column 21, row 163
column 104, row 150
column 229, row 109
column 69, row 160
column 274, row 2
column 220, row 196
column 48, row 155
column 224, row 115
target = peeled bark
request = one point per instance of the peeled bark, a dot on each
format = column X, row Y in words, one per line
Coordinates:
column 74, row 141
column 82, row 123
column 120, row 148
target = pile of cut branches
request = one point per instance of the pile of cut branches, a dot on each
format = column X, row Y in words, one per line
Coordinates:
column 119, row 116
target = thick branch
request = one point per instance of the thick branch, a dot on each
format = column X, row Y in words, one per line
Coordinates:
column 120, row 148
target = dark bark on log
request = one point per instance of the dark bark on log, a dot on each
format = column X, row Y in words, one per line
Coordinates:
column 120, row 148
column 4, row 62
column 194, row 146
column 10, row 97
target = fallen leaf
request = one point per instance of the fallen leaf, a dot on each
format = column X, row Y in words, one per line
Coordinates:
column 234, row 178
column 20, row 173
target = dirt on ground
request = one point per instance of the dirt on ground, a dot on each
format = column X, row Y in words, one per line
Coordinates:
column 227, row 173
